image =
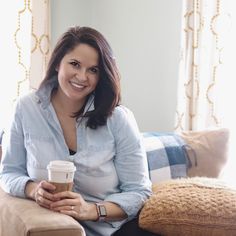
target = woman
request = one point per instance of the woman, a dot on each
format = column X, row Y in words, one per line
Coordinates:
column 75, row 116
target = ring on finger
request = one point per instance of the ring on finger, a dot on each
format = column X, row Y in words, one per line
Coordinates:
column 72, row 207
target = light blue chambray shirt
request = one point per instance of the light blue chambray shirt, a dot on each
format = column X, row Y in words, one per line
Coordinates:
column 111, row 160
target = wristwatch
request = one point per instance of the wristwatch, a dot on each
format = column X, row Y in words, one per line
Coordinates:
column 101, row 210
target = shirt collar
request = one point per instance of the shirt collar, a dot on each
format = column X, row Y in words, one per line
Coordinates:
column 43, row 94
column 89, row 104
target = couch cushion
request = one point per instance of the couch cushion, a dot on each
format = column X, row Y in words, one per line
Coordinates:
column 23, row 217
column 194, row 206
column 207, row 151
column 165, row 155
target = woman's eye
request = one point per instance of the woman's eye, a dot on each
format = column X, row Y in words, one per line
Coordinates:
column 94, row 70
column 75, row 64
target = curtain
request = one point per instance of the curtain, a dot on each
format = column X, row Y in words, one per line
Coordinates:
column 40, row 47
column 206, row 90
column 24, row 46
column 204, row 78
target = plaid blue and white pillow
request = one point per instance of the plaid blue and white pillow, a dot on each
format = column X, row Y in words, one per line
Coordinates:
column 166, row 156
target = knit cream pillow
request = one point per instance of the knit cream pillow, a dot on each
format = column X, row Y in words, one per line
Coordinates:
column 190, row 207
column 207, row 151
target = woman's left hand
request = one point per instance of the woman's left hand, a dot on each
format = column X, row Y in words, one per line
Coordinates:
column 74, row 205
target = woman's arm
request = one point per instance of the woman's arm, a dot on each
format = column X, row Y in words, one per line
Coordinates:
column 130, row 162
column 13, row 174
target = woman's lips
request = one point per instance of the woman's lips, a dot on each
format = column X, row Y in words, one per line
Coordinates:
column 76, row 85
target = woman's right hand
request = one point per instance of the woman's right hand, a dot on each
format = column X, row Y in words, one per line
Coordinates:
column 40, row 192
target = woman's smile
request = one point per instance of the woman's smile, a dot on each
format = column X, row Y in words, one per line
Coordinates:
column 77, row 85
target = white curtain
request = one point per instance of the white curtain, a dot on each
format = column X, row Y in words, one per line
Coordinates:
column 40, row 48
column 207, row 74
column 24, row 47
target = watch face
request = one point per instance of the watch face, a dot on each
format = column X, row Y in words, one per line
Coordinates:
column 102, row 211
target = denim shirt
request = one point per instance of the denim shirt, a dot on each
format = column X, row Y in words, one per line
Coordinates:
column 110, row 161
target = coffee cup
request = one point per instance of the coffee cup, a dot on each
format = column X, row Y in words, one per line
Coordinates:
column 61, row 175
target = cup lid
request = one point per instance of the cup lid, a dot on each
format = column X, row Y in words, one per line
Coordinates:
column 61, row 166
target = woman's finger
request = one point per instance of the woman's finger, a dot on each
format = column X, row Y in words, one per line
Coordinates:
column 39, row 199
column 65, row 202
column 67, row 194
column 43, row 205
column 46, row 185
column 65, row 208
column 45, row 194
column 42, row 196
column 43, row 201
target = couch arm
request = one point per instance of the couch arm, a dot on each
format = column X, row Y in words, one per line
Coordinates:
column 24, row 217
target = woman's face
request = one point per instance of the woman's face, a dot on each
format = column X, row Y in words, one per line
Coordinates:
column 78, row 72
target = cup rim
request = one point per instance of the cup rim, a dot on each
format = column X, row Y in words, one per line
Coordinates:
column 61, row 166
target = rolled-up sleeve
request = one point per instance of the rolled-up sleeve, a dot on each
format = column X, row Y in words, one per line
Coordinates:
column 131, row 164
column 13, row 173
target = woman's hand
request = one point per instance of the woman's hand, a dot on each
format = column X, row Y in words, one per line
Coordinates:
column 74, row 205
column 40, row 192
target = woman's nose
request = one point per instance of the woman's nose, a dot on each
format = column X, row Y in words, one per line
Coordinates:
column 81, row 75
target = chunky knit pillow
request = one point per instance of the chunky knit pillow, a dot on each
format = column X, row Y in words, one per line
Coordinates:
column 194, row 206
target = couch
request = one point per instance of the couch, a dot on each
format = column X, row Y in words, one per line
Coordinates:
column 171, row 158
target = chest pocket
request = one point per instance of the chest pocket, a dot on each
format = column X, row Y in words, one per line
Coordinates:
column 40, row 150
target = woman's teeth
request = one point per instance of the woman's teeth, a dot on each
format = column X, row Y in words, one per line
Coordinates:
column 77, row 85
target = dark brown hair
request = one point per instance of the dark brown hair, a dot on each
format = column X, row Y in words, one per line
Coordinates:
column 107, row 92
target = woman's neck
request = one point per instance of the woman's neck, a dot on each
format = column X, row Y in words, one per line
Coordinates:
column 63, row 104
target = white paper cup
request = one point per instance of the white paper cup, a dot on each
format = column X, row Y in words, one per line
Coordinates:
column 61, row 174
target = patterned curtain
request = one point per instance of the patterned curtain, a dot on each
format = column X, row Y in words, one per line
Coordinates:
column 206, row 91
column 40, row 46
column 206, row 70
column 24, row 46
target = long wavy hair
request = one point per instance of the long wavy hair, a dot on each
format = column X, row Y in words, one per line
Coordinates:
column 107, row 91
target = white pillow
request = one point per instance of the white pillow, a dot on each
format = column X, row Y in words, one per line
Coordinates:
column 207, row 151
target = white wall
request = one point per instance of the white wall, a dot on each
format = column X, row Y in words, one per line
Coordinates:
column 144, row 35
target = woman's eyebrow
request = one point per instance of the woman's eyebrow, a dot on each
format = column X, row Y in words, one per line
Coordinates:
column 75, row 60
column 72, row 59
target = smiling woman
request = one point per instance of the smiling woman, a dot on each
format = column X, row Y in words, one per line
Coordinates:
column 76, row 116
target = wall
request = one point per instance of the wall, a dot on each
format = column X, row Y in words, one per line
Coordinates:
column 145, row 38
